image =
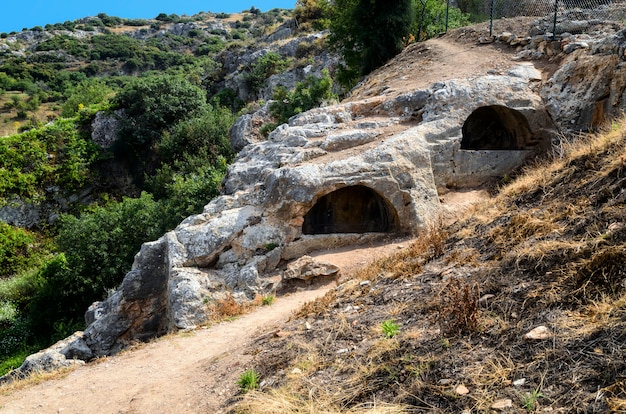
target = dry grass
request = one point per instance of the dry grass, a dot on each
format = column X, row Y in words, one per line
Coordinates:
column 34, row 379
column 289, row 401
column 458, row 308
column 228, row 307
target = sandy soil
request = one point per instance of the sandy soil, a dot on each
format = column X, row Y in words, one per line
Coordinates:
column 196, row 372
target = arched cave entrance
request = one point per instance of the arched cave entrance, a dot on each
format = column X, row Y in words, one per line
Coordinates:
column 354, row 209
column 496, row 127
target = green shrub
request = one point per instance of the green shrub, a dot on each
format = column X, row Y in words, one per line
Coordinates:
column 205, row 135
column 248, row 380
column 390, row 328
column 154, row 104
column 14, row 248
column 434, row 19
column 20, row 289
column 307, row 94
column 187, row 194
column 26, row 168
column 267, row 65
column 88, row 92
column 369, row 32
column 113, row 46
column 99, row 247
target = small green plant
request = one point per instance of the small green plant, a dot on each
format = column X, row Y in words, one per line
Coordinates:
column 248, row 380
column 390, row 328
column 267, row 300
column 529, row 400
column 271, row 246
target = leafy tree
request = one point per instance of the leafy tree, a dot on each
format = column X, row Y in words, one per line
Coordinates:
column 433, row 20
column 98, row 249
column 368, row 33
column 154, row 104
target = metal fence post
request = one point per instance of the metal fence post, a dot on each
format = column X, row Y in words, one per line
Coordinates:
column 556, row 9
column 493, row 4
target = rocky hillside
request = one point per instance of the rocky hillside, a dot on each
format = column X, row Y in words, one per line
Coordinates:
column 516, row 306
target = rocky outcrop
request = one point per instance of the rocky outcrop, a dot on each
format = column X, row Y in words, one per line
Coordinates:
column 590, row 86
column 68, row 352
column 105, row 128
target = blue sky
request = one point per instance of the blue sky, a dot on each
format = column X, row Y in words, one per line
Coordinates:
column 18, row 14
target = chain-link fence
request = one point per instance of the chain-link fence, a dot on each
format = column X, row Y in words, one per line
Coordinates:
column 553, row 14
column 558, row 11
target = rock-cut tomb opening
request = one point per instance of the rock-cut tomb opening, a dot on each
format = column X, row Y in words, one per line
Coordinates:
column 496, row 127
column 353, row 209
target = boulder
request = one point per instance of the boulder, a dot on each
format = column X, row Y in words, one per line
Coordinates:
column 68, row 352
column 307, row 268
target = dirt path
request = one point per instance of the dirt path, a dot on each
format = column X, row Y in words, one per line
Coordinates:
column 174, row 374
column 423, row 64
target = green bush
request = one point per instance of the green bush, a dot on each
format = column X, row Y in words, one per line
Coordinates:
column 369, row 32
column 389, row 328
column 20, row 289
column 15, row 245
column 98, row 247
column 114, row 46
column 187, row 194
column 86, row 93
column 307, row 94
column 205, row 135
column 248, row 380
column 434, row 19
column 313, row 14
column 26, row 168
column 69, row 44
column 153, row 104
column 267, row 65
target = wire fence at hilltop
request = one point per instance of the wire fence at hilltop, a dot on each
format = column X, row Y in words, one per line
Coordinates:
column 559, row 10
column 553, row 12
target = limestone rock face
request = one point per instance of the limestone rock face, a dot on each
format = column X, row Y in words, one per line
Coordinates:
column 105, row 127
column 337, row 175
column 587, row 89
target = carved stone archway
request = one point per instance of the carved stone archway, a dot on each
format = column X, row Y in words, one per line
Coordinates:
column 496, row 127
column 353, row 209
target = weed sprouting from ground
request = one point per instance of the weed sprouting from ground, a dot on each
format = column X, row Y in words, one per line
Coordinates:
column 529, row 400
column 389, row 328
column 267, row 300
column 248, row 380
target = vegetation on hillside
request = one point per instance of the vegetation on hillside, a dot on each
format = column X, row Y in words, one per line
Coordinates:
column 547, row 252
